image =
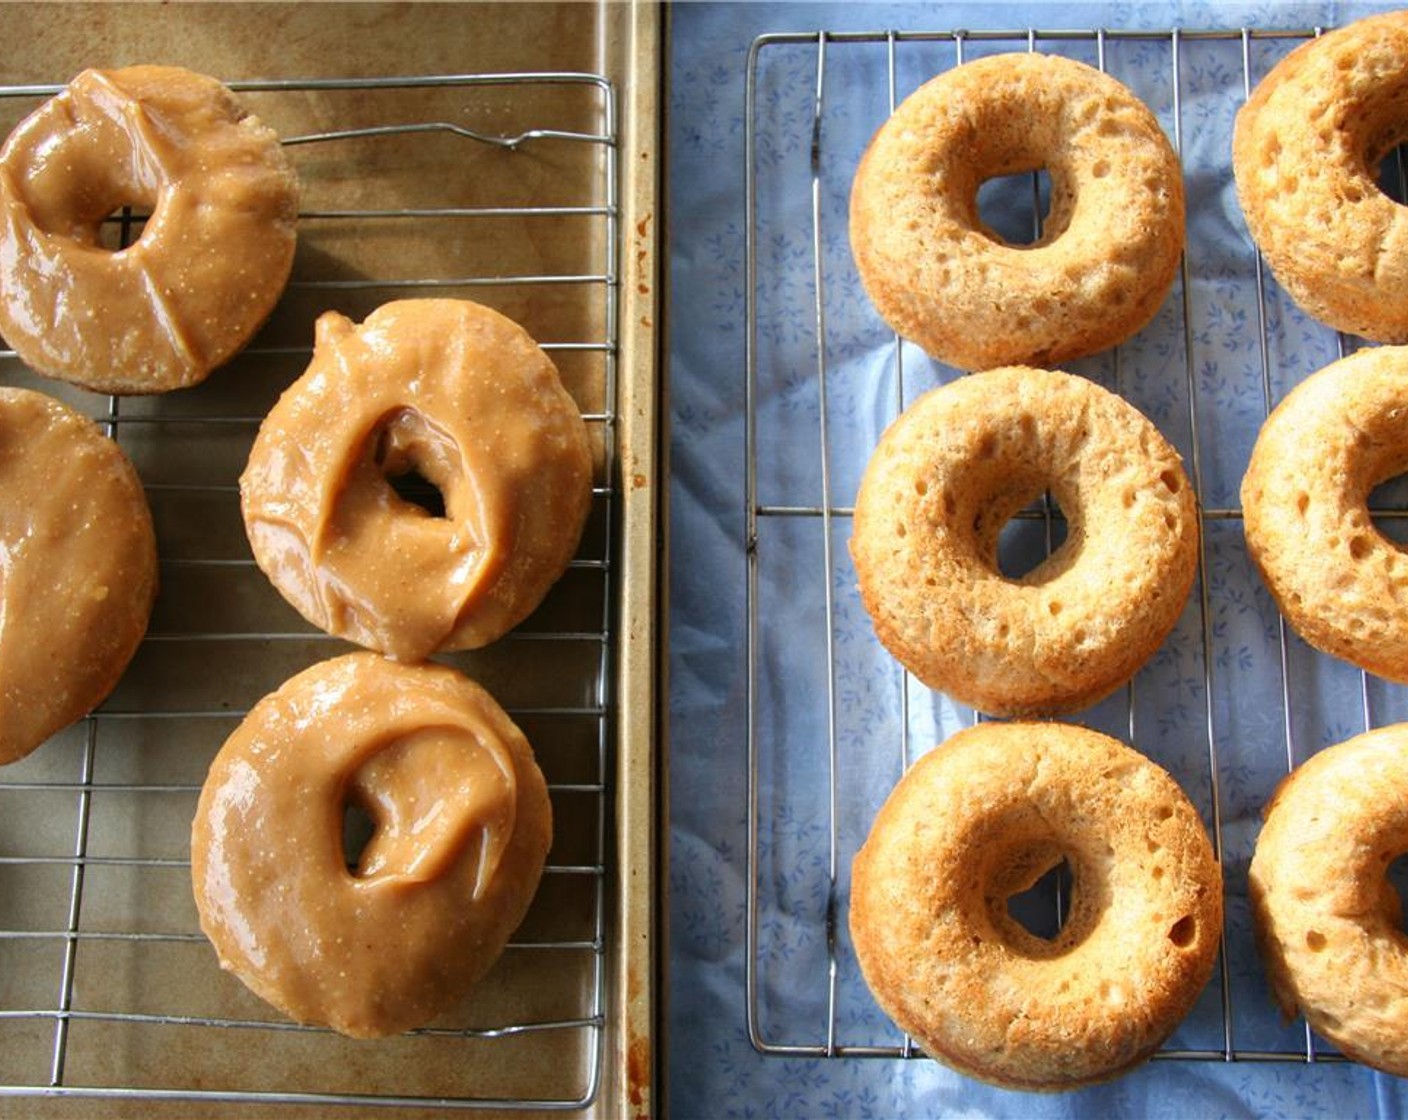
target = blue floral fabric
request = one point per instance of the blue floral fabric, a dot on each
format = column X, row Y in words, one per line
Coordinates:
column 834, row 721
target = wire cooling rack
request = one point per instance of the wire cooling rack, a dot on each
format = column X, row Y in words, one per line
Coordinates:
column 498, row 188
column 1232, row 701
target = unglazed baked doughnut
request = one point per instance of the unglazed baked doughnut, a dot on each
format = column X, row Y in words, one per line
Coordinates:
column 1306, row 151
column 462, row 395
column 1109, row 246
column 463, row 825
column 1329, row 924
column 210, row 263
column 981, row 819
column 1340, row 582
column 945, row 478
column 77, row 567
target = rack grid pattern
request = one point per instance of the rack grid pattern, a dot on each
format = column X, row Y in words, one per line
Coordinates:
column 117, row 823
column 831, row 721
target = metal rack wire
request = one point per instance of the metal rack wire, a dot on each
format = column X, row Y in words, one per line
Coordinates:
column 107, row 988
column 823, row 376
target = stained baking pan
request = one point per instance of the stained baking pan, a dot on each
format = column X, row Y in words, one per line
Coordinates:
column 499, row 153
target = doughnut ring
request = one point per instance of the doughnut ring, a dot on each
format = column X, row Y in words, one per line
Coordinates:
column 953, row 469
column 463, row 826
column 78, row 567
column 1109, row 246
column 210, row 263
column 981, row 819
column 462, row 395
column 1329, row 924
column 1339, row 581
column 1305, row 153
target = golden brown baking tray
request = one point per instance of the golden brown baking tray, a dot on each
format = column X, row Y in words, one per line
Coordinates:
column 500, row 153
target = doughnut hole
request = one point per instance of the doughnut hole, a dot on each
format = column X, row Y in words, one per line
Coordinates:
column 120, row 228
column 419, row 463
column 1012, row 534
column 1392, row 174
column 1013, row 209
column 415, row 489
column 1043, row 907
column 1385, row 498
column 1026, row 541
column 421, row 802
column 89, row 198
column 1042, row 896
column 358, row 825
column 1378, row 132
column 1396, row 894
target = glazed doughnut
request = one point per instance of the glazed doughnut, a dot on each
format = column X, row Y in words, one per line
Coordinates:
column 77, row 568
column 462, row 395
column 945, row 478
column 462, row 828
column 980, row 820
column 209, row 264
column 1337, row 579
column 1329, row 924
column 1306, row 151
column 1110, row 243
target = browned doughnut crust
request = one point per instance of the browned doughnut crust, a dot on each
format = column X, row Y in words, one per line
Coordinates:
column 462, row 828
column 1306, row 151
column 1110, row 244
column 1342, row 585
column 209, row 264
column 461, row 394
column 981, row 819
column 945, row 478
column 78, row 567
column 1329, row 924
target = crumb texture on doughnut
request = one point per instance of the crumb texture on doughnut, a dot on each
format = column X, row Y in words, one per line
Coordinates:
column 980, row 819
column 461, row 395
column 1306, row 152
column 1109, row 245
column 209, row 264
column 1338, row 580
column 1329, row 923
column 952, row 470
column 462, row 828
column 78, row 569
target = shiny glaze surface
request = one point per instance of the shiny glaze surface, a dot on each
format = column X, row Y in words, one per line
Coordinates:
column 461, row 395
column 462, row 825
column 209, row 264
column 77, row 567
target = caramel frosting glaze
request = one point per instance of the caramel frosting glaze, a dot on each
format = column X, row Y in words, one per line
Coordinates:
column 78, row 567
column 206, row 270
column 461, row 395
column 462, row 828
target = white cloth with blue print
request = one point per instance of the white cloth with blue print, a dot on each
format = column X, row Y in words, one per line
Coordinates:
column 1203, row 385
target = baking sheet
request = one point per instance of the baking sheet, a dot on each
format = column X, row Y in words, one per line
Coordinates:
column 1196, row 370
column 572, row 1000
